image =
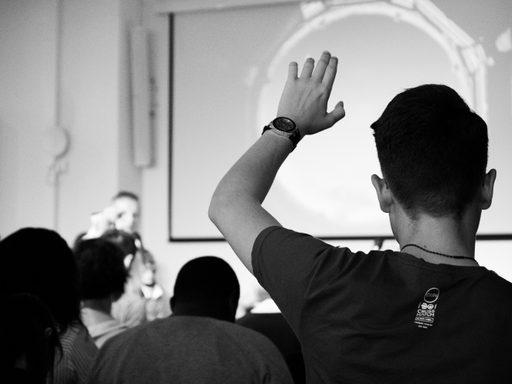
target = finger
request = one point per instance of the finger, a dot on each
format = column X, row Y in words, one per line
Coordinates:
column 307, row 69
column 330, row 73
column 293, row 70
column 318, row 74
column 336, row 114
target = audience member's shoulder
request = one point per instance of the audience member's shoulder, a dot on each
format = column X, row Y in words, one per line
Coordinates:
column 244, row 334
column 134, row 335
column 77, row 336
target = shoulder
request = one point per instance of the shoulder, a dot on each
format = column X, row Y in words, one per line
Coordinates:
column 247, row 338
column 78, row 354
column 278, row 233
column 138, row 333
column 285, row 243
column 499, row 288
column 77, row 339
column 278, row 247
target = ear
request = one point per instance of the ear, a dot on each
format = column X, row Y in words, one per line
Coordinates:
column 383, row 193
column 487, row 190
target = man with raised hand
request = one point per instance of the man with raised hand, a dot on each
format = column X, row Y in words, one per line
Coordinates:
column 428, row 313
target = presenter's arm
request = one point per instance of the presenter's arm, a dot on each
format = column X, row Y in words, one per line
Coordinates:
column 235, row 207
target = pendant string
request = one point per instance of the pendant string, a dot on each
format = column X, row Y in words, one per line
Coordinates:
column 436, row 253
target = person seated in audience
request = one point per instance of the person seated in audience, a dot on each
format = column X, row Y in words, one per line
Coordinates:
column 134, row 307
column 199, row 343
column 29, row 342
column 130, row 308
column 39, row 262
column 266, row 318
column 102, row 278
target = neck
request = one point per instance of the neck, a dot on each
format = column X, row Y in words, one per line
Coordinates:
column 99, row 311
column 217, row 312
column 440, row 237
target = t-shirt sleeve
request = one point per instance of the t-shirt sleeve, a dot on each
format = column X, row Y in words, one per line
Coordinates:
column 289, row 265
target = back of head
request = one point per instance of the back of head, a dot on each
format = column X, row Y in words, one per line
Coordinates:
column 125, row 194
column 207, row 286
column 38, row 261
column 101, row 269
column 432, row 150
column 126, row 241
column 29, row 336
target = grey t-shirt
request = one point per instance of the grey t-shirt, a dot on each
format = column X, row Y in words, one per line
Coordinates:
column 190, row 350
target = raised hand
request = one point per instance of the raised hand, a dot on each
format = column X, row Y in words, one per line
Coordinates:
column 304, row 99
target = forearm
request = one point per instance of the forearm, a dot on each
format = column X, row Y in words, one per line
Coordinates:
column 235, row 207
column 253, row 174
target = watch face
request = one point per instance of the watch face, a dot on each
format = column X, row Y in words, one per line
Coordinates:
column 284, row 124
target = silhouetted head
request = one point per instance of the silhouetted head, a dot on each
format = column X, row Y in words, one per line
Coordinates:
column 101, row 269
column 206, row 286
column 432, row 150
column 38, row 261
column 126, row 241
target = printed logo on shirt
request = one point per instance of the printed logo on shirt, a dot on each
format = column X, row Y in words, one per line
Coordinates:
column 426, row 311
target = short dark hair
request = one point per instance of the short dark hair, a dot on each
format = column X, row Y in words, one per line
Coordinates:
column 126, row 241
column 101, row 269
column 127, row 194
column 206, row 279
column 432, row 150
column 38, row 261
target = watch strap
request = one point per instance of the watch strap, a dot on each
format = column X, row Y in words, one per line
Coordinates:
column 294, row 136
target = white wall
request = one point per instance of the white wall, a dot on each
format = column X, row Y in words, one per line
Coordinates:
column 26, row 109
column 95, row 109
column 155, row 185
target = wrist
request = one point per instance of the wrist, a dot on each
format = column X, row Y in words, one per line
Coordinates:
column 286, row 128
column 275, row 137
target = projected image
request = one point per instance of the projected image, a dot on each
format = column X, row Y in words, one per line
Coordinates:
column 328, row 180
column 324, row 188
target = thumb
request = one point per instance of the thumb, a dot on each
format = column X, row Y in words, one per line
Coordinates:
column 336, row 114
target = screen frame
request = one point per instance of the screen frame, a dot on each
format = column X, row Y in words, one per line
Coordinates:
column 174, row 238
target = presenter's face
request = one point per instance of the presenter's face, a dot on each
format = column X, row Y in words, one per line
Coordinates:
column 127, row 214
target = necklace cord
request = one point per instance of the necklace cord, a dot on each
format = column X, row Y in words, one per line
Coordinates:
column 436, row 253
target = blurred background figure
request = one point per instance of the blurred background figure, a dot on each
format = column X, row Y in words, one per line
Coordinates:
column 199, row 343
column 136, row 305
column 126, row 208
column 102, row 279
column 38, row 262
column 123, row 215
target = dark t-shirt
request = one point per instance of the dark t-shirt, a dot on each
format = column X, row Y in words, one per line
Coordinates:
column 387, row 317
column 276, row 328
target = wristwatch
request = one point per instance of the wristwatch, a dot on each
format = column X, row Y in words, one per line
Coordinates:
column 284, row 126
